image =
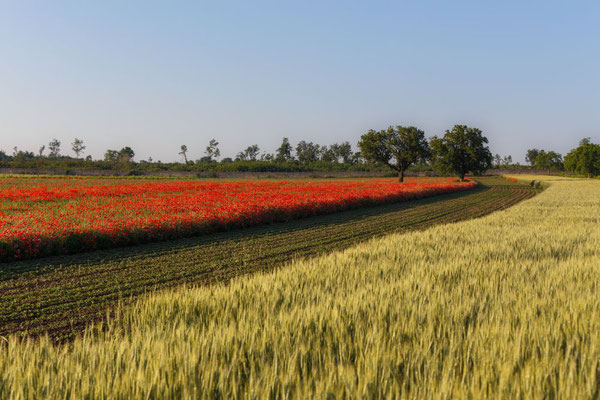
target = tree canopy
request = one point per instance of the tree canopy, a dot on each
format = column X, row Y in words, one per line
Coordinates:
column 284, row 152
column 584, row 159
column 78, row 147
column 396, row 147
column 461, row 150
column 549, row 160
column 531, row 155
column 249, row 154
column 54, row 147
column 212, row 151
column 307, row 152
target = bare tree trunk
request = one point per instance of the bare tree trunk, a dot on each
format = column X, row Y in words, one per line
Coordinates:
column 401, row 175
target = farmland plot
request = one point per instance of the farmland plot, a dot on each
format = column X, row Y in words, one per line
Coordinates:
column 42, row 217
column 62, row 294
column 504, row 306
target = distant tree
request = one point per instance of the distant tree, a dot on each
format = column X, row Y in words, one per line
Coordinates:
column 461, row 151
column 183, row 153
column 54, row 147
column 88, row 158
column 357, row 158
column 344, row 151
column 284, row 152
column 336, row 152
column 330, row 154
column 111, row 156
column 549, row 161
column 4, row 156
column 584, row 159
column 226, row 160
column 250, row 154
column 307, row 152
column 15, row 151
column 126, row 154
column 212, row 150
column 20, row 155
column 41, row 151
column 497, row 160
column 531, row 156
column 123, row 156
column 267, row 157
column 397, row 147
column 77, row 147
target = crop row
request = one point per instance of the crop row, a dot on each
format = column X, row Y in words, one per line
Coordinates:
column 62, row 294
column 68, row 218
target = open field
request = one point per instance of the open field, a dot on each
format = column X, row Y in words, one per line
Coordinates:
column 44, row 217
column 62, row 294
column 504, row 306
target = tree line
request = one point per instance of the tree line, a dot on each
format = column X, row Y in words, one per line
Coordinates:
column 463, row 150
column 305, row 156
column 583, row 160
column 305, row 153
column 459, row 151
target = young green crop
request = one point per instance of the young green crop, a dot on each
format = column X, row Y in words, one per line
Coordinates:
column 62, row 295
column 505, row 306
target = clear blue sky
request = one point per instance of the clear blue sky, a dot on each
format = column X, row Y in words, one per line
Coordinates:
column 157, row 74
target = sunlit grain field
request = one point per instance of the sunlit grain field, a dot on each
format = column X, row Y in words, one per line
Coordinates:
column 505, row 306
column 45, row 216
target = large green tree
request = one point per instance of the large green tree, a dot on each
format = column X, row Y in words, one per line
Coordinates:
column 460, row 151
column 396, row 147
column 584, row 159
column 549, row 161
column 531, row 155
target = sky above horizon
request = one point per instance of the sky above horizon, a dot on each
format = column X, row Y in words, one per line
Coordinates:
column 154, row 75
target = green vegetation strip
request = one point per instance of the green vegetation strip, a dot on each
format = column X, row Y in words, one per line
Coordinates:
column 62, row 295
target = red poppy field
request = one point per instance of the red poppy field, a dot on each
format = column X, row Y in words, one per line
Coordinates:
column 49, row 216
